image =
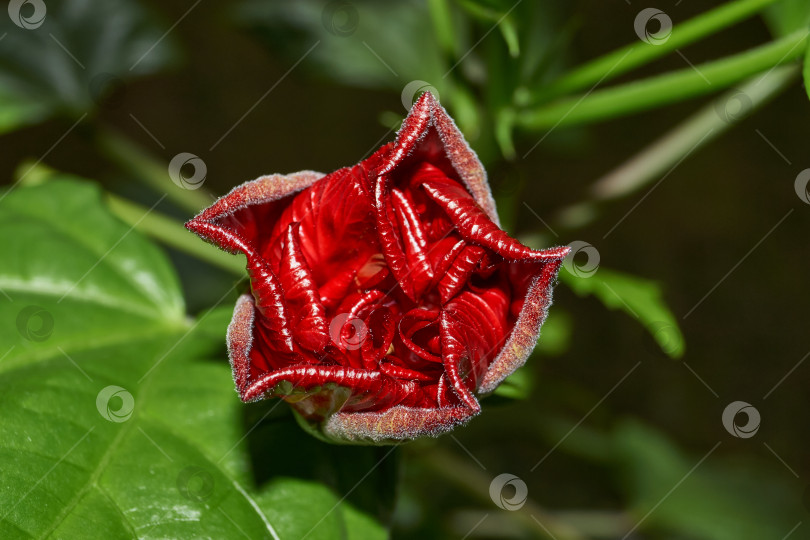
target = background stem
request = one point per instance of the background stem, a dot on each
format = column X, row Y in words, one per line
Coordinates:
column 669, row 88
column 626, row 58
column 533, row 516
column 133, row 159
column 695, row 132
column 173, row 234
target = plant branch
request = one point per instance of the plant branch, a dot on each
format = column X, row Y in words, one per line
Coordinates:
column 665, row 89
column 172, row 233
column 532, row 515
column 632, row 56
column 134, row 160
column 696, row 131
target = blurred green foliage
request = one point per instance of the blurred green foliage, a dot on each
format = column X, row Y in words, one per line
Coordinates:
column 115, row 40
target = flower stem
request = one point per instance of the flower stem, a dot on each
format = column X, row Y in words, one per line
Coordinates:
column 442, row 19
column 172, row 233
column 696, row 131
column 133, row 159
column 626, row 58
column 668, row 88
column 533, row 516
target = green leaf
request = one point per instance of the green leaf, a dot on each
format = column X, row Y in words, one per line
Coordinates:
column 80, row 53
column 640, row 298
column 806, row 70
column 510, row 36
column 665, row 89
column 554, row 339
column 518, row 385
column 555, row 336
column 496, row 12
column 703, row 495
column 360, row 43
column 118, row 411
column 624, row 59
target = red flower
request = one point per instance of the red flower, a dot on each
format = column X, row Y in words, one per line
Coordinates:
column 385, row 296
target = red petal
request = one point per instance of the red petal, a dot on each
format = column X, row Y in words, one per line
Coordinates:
column 240, row 340
column 337, row 233
column 456, row 277
column 429, row 134
column 395, row 424
column 381, row 329
column 399, row 372
column 389, row 239
column 459, row 353
column 309, row 316
column 473, row 224
column 419, row 321
column 250, row 208
column 307, row 377
column 414, row 239
column 264, row 283
column 526, row 330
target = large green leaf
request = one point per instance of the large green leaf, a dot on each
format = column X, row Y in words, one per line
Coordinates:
column 701, row 496
column 640, row 298
column 709, row 493
column 65, row 57
column 119, row 417
column 360, row 43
